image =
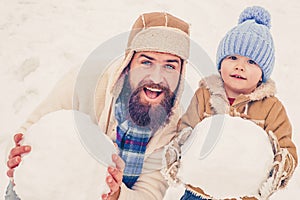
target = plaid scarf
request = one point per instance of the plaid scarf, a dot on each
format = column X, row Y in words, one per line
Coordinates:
column 132, row 141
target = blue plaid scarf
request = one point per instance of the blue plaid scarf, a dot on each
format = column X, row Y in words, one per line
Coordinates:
column 132, row 141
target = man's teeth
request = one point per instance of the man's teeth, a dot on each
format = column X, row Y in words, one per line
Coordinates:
column 153, row 89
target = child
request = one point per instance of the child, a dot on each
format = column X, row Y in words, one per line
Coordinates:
column 245, row 60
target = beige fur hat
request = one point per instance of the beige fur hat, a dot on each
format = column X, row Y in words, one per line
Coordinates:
column 160, row 32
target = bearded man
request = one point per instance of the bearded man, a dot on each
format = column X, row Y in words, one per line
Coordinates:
column 134, row 102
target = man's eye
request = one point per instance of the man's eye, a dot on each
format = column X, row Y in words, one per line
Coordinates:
column 169, row 67
column 252, row 62
column 146, row 62
column 232, row 57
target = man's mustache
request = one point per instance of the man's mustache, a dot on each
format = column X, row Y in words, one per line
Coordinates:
column 151, row 84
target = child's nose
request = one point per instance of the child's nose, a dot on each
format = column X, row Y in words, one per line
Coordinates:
column 240, row 66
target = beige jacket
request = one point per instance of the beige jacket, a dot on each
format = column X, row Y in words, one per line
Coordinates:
column 90, row 92
column 261, row 107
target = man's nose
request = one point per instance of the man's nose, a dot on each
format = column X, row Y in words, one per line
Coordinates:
column 156, row 74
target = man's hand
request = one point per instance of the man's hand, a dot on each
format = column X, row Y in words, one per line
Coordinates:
column 114, row 179
column 14, row 158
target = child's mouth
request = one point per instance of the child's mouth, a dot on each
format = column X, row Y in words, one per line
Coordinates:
column 238, row 76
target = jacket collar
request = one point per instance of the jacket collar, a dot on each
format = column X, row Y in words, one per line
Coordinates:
column 219, row 101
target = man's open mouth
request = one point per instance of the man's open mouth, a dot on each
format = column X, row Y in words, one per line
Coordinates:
column 238, row 76
column 152, row 92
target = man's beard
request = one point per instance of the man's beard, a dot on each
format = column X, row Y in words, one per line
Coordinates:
column 150, row 115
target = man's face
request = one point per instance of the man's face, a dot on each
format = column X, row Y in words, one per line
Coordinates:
column 158, row 68
column 153, row 79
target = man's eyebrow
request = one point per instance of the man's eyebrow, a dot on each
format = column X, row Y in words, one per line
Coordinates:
column 148, row 57
column 173, row 60
column 151, row 58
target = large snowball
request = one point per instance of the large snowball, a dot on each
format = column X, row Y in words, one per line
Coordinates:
column 226, row 157
column 58, row 166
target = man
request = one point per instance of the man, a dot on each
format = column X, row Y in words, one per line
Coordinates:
column 135, row 103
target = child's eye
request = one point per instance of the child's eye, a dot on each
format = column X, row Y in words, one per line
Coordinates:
column 232, row 57
column 252, row 62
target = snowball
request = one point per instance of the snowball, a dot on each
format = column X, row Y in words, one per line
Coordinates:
column 227, row 157
column 58, row 166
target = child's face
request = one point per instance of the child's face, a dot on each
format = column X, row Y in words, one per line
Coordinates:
column 240, row 75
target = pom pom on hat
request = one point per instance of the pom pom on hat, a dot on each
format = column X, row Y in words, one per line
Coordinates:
column 250, row 38
column 259, row 14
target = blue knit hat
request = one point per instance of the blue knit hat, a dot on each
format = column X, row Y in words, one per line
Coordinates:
column 250, row 38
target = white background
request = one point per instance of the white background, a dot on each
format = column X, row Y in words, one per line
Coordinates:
column 41, row 40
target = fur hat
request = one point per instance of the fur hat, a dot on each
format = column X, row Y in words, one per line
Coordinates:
column 250, row 38
column 160, row 32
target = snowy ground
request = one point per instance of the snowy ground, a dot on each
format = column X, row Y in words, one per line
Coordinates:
column 41, row 40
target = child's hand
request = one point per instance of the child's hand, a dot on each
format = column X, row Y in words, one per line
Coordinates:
column 283, row 160
column 281, row 171
column 171, row 155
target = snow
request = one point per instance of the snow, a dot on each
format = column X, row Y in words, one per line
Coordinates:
column 218, row 158
column 68, row 167
column 42, row 40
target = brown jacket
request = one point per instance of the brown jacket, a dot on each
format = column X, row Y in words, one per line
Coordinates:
column 261, row 107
